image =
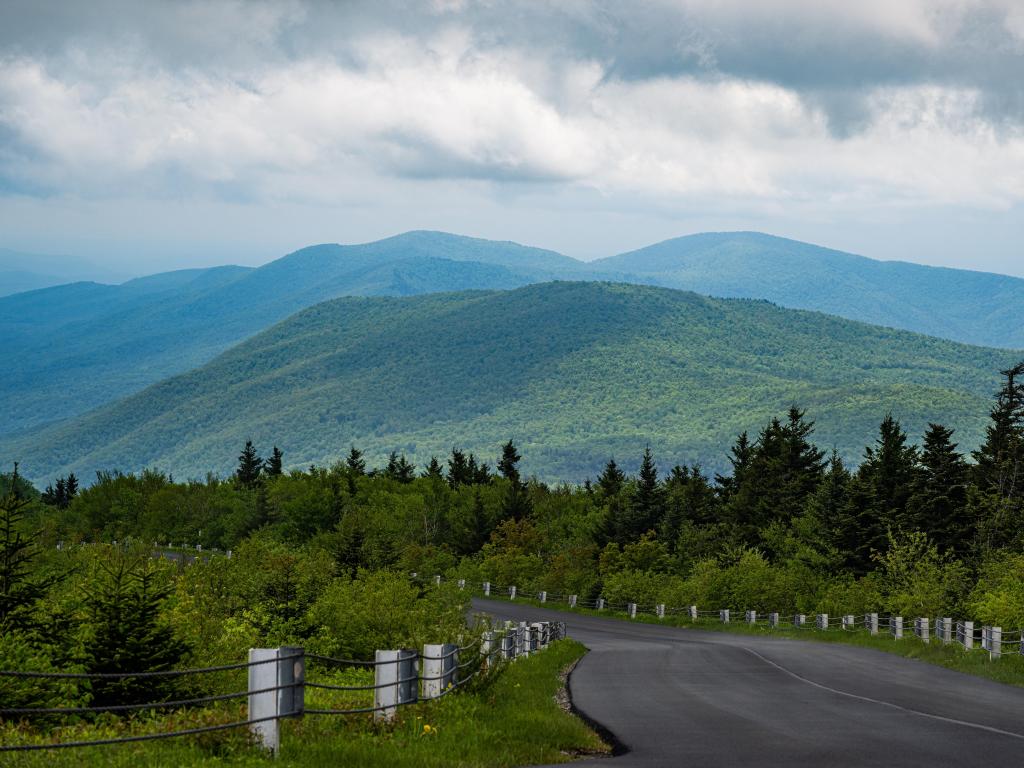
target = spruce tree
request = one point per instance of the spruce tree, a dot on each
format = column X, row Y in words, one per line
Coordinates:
column 60, row 495
column 647, row 506
column 434, row 470
column 830, row 523
column 250, row 466
column 129, row 635
column 611, row 480
column 938, row 506
column 405, row 471
column 459, row 470
column 275, row 464
column 20, row 588
column 999, row 462
column 354, row 462
column 508, row 466
column 70, row 488
column 391, row 470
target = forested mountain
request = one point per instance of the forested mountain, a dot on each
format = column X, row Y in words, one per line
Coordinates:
column 972, row 307
column 84, row 345
column 576, row 372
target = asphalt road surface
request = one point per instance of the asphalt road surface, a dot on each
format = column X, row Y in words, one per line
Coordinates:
column 682, row 697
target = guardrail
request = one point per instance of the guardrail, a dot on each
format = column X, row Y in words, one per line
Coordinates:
column 277, row 682
column 996, row 641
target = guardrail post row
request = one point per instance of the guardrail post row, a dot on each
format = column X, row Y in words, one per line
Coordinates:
column 631, row 610
column 282, row 671
column 995, row 642
column 572, row 601
column 439, row 665
column 660, row 610
column 543, row 597
column 600, row 603
column 396, row 681
column 896, row 626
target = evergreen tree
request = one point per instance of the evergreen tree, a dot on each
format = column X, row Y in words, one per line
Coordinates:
column 354, row 462
column 482, row 475
column 60, row 495
column 275, row 464
column 474, row 529
column 129, row 635
column 434, row 469
column 405, row 471
column 830, row 523
column 391, row 470
column 20, row 588
column 938, row 506
column 250, row 466
column 70, row 488
column 647, row 506
column 508, row 466
column 611, row 480
column 690, row 499
column 459, row 470
column 999, row 462
column 884, row 485
column 741, row 455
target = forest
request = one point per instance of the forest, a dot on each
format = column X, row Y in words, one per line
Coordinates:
column 322, row 556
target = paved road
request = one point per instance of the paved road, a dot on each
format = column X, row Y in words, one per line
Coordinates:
column 683, row 697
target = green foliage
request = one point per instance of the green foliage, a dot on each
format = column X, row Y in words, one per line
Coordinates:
column 917, row 580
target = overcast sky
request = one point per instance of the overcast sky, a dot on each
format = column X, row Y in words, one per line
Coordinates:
column 150, row 135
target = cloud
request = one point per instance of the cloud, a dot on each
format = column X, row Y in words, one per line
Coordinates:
column 734, row 105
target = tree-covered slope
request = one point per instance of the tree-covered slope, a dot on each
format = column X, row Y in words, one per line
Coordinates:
column 83, row 345
column 972, row 307
column 574, row 372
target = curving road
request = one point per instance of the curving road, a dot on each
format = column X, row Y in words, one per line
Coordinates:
column 684, row 697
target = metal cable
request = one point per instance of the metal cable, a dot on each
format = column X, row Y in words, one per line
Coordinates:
column 134, row 675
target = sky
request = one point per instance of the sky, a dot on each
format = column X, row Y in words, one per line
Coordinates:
column 148, row 136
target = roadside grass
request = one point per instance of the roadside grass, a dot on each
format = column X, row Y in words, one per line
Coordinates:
column 1008, row 669
column 507, row 719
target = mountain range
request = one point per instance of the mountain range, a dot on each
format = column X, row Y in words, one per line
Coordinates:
column 574, row 372
column 21, row 272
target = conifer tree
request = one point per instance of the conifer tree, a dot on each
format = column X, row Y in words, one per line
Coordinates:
column 515, row 503
column 647, row 506
column 129, row 635
column 70, row 488
column 482, row 474
column 830, row 522
column 20, row 589
column 250, row 466
column 391, row 470
column 611, row 480
column 405, row 471
column 474, row 531
column 999, row 462
column 434, row 469
column 60, row 495
column 508, row 466
column 354, row 462
column 275, row 464
column 938, row 506
column 459, row 470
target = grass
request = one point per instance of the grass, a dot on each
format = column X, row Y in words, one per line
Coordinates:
column 1008, row 669
column 507, row 719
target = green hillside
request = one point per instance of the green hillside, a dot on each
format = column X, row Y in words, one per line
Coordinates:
column 83, row 345
column 574, row 372
column 972, row 307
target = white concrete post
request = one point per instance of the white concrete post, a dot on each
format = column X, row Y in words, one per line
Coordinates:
column 693, row 613
column 489, row 647
column 508, row 645
column 439, row 665
column 873, row 623
column 529, row 640
column 723, row 615
column 947, row 630
column 522, row 644
column 924, row 631
column 631, row 610
column 511, row 593
column 773, row 620
column 600, row 603
column 660, row 610
column 462, row 583
column 395, row 676
column 572, row 601
column 968, row 635
column 487, row 589
column 282, row 671
column 543, row 597
column 539, row 635
column 437, row 580
column 896, row 627
column 799, row 620
column 995, row 642
column 751, row 617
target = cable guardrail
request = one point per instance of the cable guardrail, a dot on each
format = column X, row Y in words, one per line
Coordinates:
column 277, row 684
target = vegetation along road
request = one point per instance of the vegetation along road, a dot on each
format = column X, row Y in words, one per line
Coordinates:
column 675, row 696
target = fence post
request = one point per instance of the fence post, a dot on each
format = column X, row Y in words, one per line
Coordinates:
column 543, row 597
column 896, row 627
column 693, row 613
column 799, row 620
column 660, row 610
column 512, row 593
column 947, row 630
column 925, row 631
column 462, row 583
column 572, row 601
column 995, row 642
column 773, row 620
column 540, row 633
column 437, row 580
column 439, row 664
column 751, row 617
column 395, row 680
column 489, row 647
column 600, row 603
column 723, row 615
column 631, row 610
column 968, row 635
column 487, row 589
column 522, row 644
column 283, row 670
column 873, row 623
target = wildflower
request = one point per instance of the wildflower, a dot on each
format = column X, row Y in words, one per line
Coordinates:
column 428, row 729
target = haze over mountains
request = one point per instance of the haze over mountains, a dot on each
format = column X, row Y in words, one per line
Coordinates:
column 574, row 372
column 30, row 271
